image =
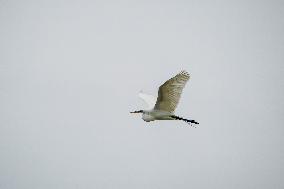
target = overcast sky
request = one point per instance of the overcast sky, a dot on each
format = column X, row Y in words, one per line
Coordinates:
column 70, row 72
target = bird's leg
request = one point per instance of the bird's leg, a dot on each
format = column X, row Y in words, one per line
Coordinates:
column 190, row 122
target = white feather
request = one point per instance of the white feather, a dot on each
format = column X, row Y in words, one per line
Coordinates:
column 170, row 92
column 148, row 99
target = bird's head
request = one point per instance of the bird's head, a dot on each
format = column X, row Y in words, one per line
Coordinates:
column 138, row 111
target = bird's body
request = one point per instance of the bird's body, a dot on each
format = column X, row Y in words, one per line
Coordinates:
column 152, row 115
column 167, row 100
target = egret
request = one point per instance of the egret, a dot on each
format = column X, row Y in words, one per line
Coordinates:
column 168, row 97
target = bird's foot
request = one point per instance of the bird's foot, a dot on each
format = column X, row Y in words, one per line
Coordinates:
column 190, row 124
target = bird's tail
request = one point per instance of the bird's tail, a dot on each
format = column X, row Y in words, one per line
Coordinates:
column 186, row 120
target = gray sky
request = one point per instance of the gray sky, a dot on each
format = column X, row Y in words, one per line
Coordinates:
column 70, row 72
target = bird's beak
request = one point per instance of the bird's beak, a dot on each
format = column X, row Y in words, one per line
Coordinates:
column 136, row 112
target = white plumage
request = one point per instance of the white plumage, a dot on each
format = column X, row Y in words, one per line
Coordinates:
column 148, row 99
column 170, row 92
column 168, row 98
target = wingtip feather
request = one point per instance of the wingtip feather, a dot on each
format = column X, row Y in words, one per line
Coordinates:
column 185, row 73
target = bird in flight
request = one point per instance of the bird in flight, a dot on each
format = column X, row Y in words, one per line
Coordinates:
column 168, row 97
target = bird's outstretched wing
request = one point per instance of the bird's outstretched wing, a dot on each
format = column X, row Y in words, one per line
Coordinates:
column 170, row 92
column 148, row 99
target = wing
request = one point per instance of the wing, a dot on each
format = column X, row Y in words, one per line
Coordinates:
column 170, row 92
column 149, row 99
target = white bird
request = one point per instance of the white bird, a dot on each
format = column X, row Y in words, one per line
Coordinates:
column 167, row 100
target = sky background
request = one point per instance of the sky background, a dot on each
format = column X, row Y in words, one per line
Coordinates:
column 70, row 72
